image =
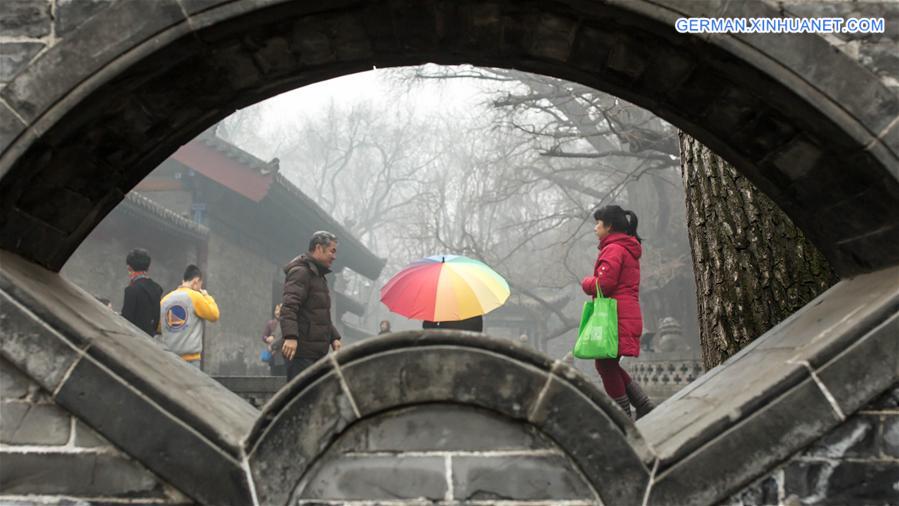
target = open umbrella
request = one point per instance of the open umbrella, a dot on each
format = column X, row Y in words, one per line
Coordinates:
column 445, row 288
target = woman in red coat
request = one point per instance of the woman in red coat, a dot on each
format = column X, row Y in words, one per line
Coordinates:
column 617, row 271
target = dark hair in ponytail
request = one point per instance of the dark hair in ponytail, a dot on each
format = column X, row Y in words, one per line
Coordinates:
column 619, row 219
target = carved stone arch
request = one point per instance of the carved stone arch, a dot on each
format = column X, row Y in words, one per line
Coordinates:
column 91, row 116
column 133, row 83
column 580, row 428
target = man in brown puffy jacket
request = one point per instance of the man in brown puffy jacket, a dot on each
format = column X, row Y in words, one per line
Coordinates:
column 306, row 306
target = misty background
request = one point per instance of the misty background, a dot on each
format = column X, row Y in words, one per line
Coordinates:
column 499, row 165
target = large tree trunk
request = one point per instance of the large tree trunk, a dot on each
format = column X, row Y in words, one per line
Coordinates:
column 753, row 267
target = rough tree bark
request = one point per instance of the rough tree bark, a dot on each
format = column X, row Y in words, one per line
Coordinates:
column 753, row 267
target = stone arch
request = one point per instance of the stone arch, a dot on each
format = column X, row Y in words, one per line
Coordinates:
column 126, row 88
column 92, row 115
column 416, row 371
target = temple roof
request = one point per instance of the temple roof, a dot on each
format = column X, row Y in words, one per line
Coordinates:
column 142, row 207
column 260, row 181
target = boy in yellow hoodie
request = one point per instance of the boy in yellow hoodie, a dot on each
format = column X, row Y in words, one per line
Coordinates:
column 181, row 314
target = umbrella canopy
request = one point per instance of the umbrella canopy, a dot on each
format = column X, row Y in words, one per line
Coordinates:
column 445, row 288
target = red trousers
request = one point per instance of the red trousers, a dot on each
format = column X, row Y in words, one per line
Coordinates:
column 614, row 377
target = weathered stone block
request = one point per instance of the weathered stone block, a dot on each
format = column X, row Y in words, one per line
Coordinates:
column 697, row 92
column 419, row 24
column 797, row 158
column 472, row 25
column 804, row 54
column 186, row 395
column 628, row 57
column 86, row 437
column 761, row 493
column 768, row 436
column 441, row 373
column 32, row 92
column 192, row 7
column 76, row 474
column 31, row 346
column 865, row 369
column 24, row 423
column 377, row 477
column 163, row 443
column 14, row 56
column 350, row 40
column 889, row 400
column 274, row 56
column 378, row 23
column 591, row 48
column 890, row 138
column 70, row 14
column 553, row 37
column 842, row 482
column 11, row 127
column 594, row 441
column 25, row 18
column 862, row 207
column 517, row 477
column 889, row 444
column 855, row 438
column 13, row 384
column 707, row 407
column 766, row 133
column 518, row 30
column 440, row 427
column 189, row 395
column 299, row 433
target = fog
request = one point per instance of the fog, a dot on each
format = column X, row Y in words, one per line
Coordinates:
column 499, row 165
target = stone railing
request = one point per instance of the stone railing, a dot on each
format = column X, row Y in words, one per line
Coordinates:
column 662, row 374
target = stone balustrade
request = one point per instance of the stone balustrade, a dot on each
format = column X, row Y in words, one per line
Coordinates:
column 662, row 374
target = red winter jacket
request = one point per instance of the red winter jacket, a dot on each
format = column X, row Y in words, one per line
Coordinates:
column 618, row 271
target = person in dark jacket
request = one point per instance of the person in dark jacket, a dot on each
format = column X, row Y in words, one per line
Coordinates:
column 617, row 272
column 306, row 306
column 142, row 295
column 473, row 324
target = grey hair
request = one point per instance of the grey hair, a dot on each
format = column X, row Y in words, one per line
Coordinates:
column 321, row 238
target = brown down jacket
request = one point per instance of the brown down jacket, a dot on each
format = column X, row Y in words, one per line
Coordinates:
column 306, row 308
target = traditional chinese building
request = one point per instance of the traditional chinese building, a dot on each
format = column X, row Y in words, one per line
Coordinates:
column 215, row 205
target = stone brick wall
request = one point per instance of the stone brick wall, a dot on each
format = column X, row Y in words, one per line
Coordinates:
column 856, row 463
column 47, row 453
column 443, row 460
column 877, row 52
column 28, row 27
column 240, row 279
column 781, row 402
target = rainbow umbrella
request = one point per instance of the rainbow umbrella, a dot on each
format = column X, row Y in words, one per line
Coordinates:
column 445, row 288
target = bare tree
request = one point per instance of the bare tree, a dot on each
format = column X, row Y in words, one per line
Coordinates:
column 512, row 182
column 596, row 149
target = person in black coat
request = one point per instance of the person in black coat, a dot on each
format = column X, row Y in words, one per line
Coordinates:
column 142, row 295
column 475, row 324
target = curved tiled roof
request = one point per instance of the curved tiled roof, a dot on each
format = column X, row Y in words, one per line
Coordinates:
column 141, row 206
column 284, row 194
column 210, row 139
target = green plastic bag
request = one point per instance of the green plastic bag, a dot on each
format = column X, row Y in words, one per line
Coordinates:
column 597, row 336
